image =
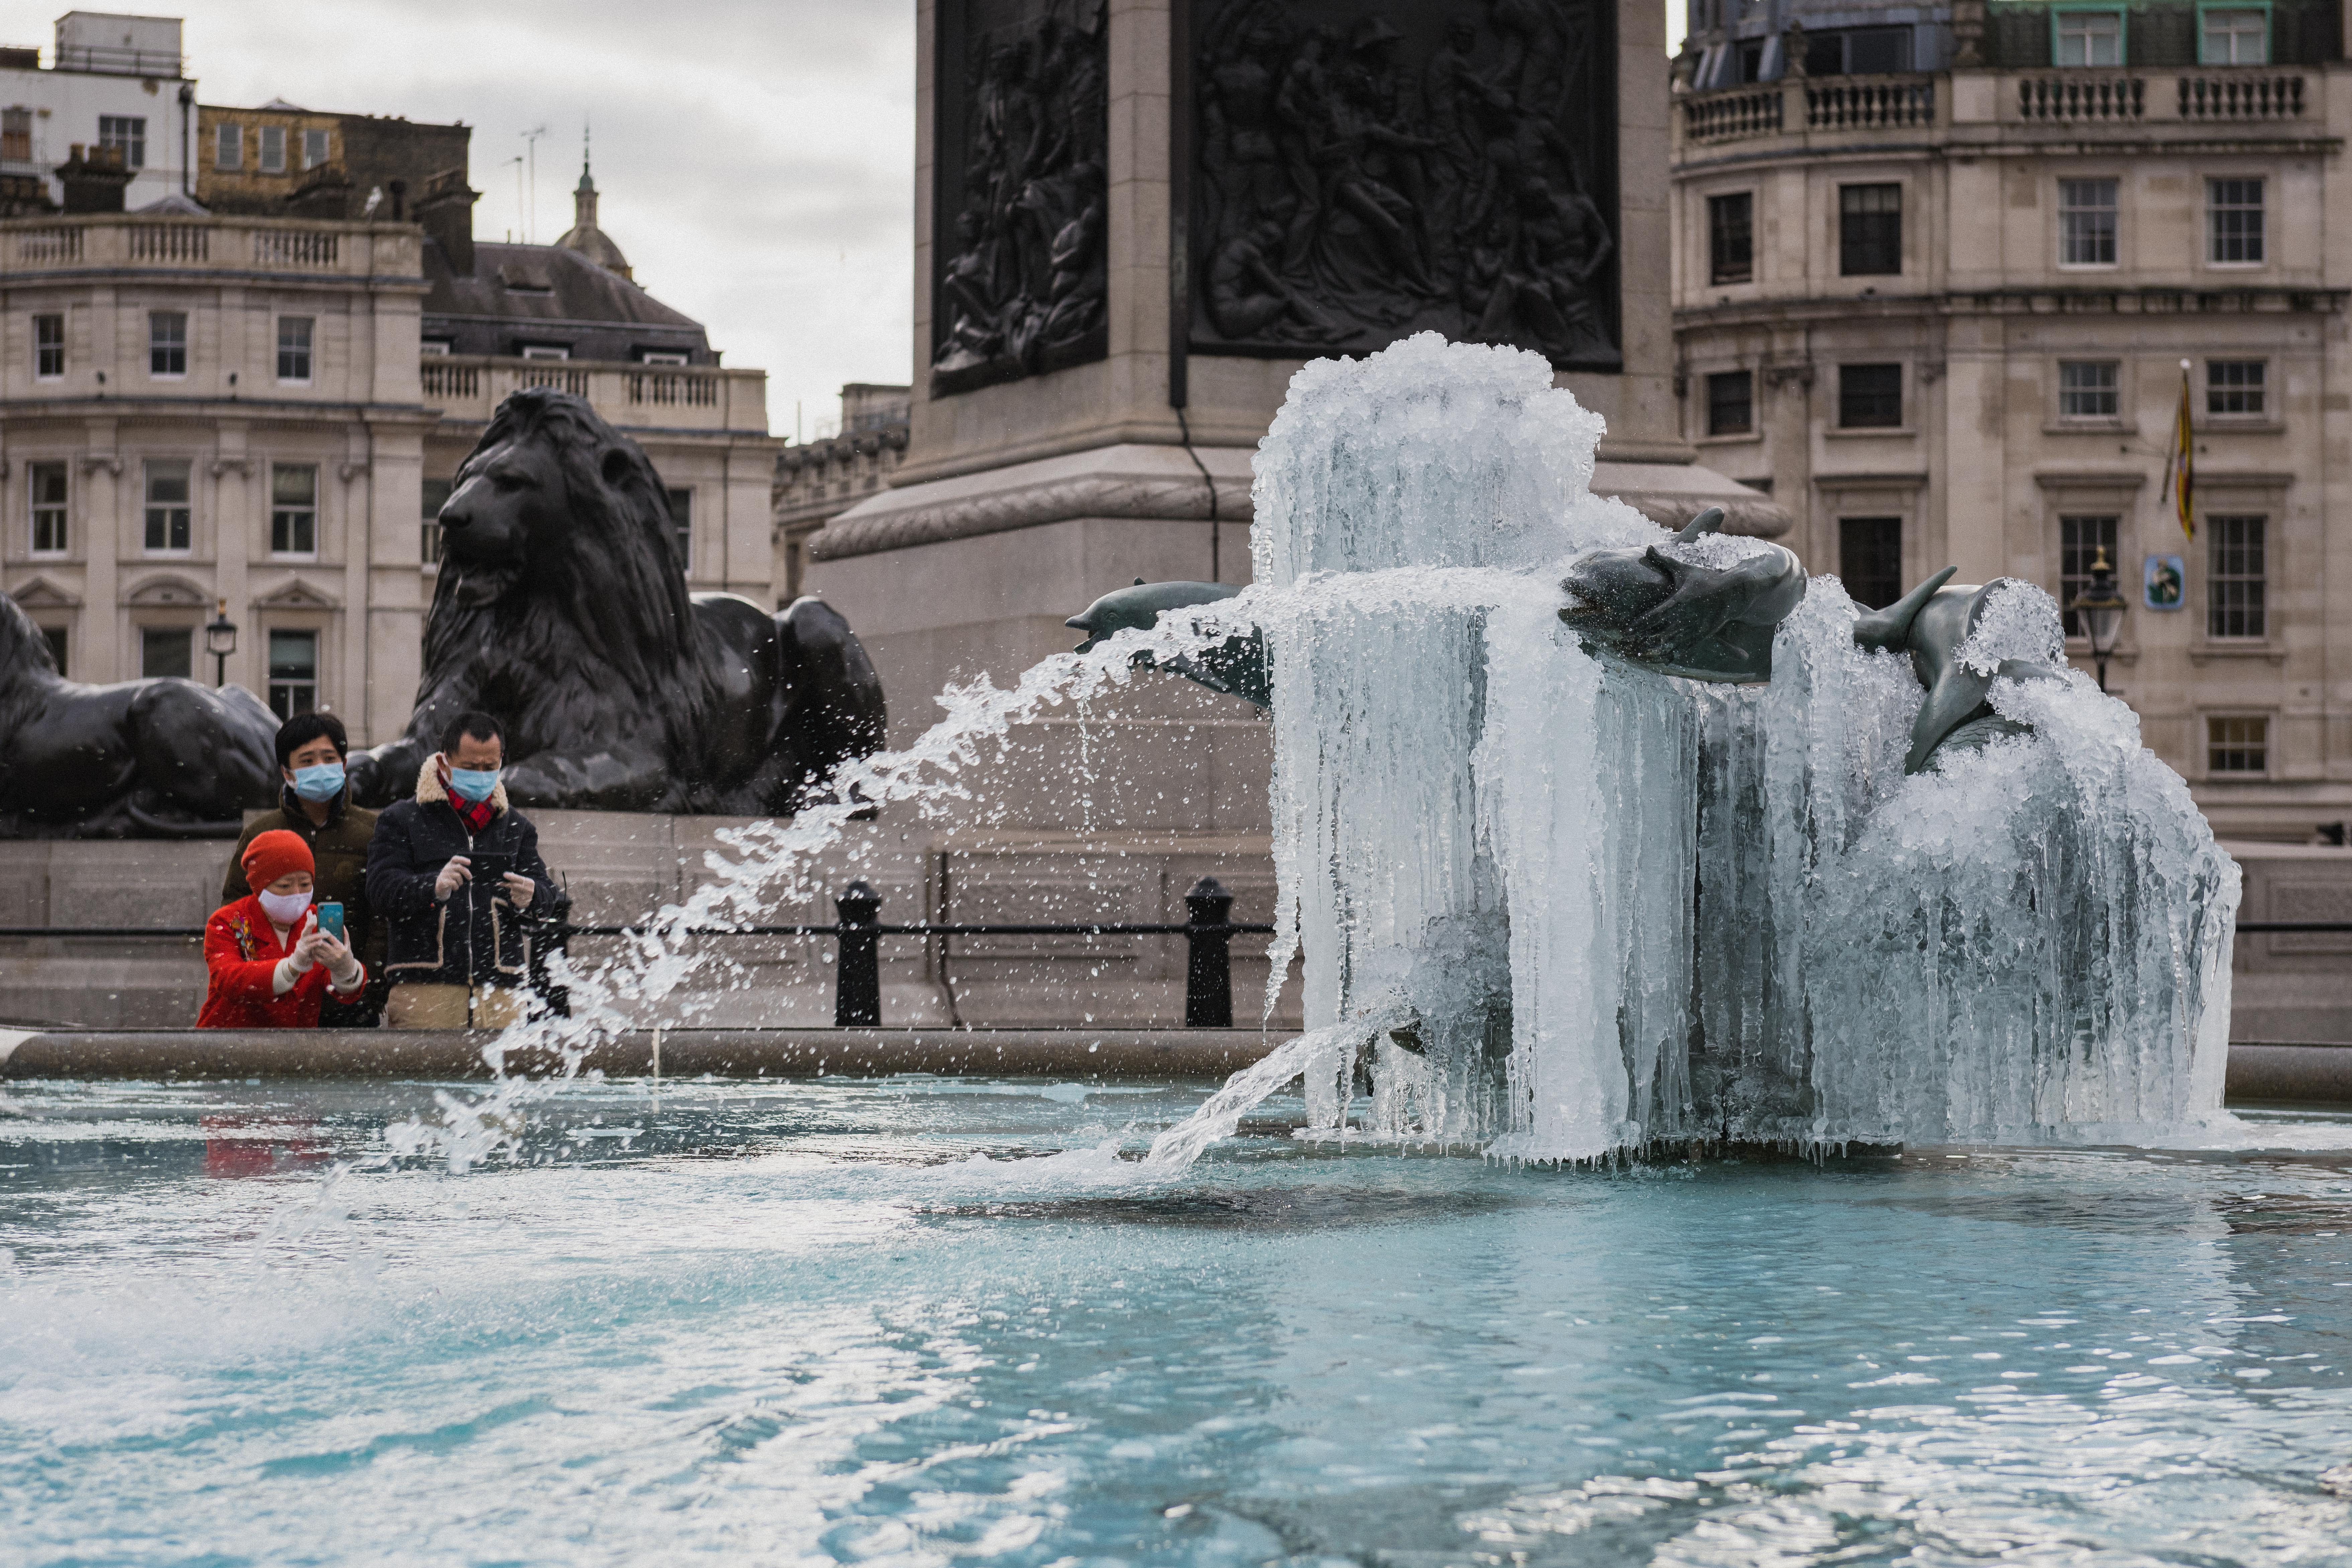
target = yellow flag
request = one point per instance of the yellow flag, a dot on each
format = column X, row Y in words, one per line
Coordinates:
column 2181, row 465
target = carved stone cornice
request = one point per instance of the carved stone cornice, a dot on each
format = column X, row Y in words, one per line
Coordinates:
column 93, row 461
column 234, row 462
column 1178, row 497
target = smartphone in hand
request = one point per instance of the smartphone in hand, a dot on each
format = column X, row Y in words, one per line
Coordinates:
column 331, row 920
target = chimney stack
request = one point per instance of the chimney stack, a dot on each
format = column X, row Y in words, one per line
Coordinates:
column 94, row 179
column 445, row 211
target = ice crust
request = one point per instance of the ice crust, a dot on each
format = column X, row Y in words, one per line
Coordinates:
column 2017, row 620
column 1620, row 909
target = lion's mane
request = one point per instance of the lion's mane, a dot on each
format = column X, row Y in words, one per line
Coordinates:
column 592, row 634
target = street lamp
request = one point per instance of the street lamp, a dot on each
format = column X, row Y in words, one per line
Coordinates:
column 220, row 641
column 2101, row 612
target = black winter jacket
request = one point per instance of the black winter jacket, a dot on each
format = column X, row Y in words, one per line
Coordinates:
column 475, row 937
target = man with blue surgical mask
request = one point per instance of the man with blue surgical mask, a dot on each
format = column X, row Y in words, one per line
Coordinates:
column 315, row 806
column 455, row 873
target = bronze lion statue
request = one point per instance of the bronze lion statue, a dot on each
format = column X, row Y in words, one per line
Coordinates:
column 160, row 758
column 561, row 607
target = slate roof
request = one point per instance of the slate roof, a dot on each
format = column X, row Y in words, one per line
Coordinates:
column 520, row 295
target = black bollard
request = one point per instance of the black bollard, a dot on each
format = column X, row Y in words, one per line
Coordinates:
column 1208, row 968
column 857, row 979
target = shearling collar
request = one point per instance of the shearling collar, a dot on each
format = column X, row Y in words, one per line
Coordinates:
column 429, row 791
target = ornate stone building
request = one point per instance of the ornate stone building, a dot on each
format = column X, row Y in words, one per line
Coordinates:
column 202, row 414
column 1936, row 271
column 818, row 480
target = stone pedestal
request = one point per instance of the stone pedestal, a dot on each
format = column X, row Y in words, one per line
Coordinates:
column 1030, row 488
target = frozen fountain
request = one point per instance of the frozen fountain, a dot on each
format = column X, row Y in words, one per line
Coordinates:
column 1594, row 837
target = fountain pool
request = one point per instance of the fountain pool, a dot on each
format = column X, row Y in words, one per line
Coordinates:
column 842, row 1322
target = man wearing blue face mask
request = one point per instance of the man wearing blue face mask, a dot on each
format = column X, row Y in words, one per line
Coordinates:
column 314, row 806
column 455, row 873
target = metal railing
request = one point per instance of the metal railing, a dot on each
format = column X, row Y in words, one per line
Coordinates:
column 1207, row 930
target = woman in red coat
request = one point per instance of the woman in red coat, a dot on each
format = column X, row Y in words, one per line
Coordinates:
column 272, row 965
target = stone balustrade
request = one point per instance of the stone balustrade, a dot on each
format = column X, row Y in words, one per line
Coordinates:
column 632, row 397
column 1806, row 107
column 216, row 245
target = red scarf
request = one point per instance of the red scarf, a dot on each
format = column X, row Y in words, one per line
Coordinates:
column 475, row 813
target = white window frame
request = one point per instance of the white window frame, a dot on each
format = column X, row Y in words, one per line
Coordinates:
column 2067, row 209
column 314, row 140
column 309, row 350
column 155, row 344
column 59, row 318
column 34, row 508
column 2259, row 14
column 2260, row 208
column 545, row 351
column 273, row 140
column 228, row 146
column 147, row 504
column 2113, row 391
column 292, row 510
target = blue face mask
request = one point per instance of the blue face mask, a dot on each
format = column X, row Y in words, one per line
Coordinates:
column 324, row 780
column 474, row 784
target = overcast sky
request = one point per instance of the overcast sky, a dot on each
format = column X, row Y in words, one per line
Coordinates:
column 756, row 159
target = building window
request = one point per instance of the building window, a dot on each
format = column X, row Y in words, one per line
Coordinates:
column 293, row 673
column 293, row 348
column 663, row 356
column 545, row 351
column 124, row 134
column 16, row 135
column 46, row 484
column 2089, row 38
column 2234, row 221
column 434, row 346
column 1858, row 51
column 2081, row 542
column 2087, row 389
column 2238, row 745
column 293, row 509
column 2235, row 387
column 1731, row 403
column 314, row 149
column 1870, row 560
column 1869, row 230
column 167, row 508
column 48, row 347
column 2086, row 222
column 1731, row 238
column 436, row 496
column 58, row 640
column 1870, row 396
column 167, row 343
column 273, row 149
column 2234, row 38
column 165, row 651
column 228, row 146
column 2235, row 580
column 681, row 527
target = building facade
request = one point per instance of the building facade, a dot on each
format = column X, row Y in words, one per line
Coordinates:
column 1937, row 272
column 818, row 480
column 280, row 161
column 113, row 81
column 258, row 418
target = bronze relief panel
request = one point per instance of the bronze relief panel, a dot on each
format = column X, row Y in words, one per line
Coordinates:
column 1362, row 169
column 1020, row 281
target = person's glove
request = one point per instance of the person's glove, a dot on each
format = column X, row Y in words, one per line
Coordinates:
column 454, row 876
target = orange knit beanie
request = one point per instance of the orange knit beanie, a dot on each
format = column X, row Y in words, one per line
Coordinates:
column 273, row 854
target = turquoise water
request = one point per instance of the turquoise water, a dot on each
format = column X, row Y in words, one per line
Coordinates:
column 863, row 1322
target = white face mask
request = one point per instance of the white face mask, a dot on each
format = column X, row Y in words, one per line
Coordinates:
column 285, row 908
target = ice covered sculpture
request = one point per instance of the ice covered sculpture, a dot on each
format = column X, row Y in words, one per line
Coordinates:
column 1593, row 837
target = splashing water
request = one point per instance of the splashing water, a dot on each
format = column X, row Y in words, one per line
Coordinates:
column 1563, row 907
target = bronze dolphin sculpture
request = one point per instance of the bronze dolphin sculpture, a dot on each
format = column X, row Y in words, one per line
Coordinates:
column 1236, row 666
column 1682, row 618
